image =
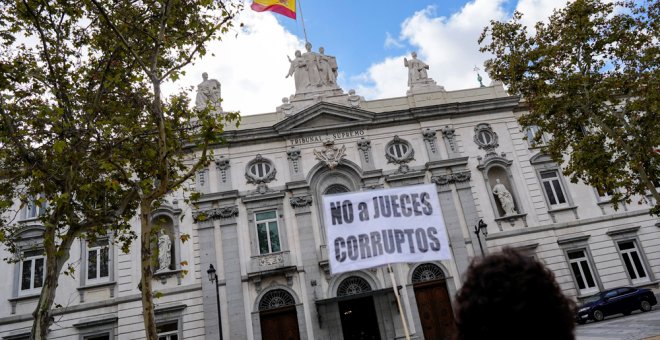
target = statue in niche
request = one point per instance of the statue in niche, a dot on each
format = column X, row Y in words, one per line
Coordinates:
column 327, row 68
column 505, row 198
column 208, row 92
column 416, row 69
column 164, row 251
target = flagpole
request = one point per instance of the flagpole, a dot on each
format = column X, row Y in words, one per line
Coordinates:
column 302, row 19
column 398, row 302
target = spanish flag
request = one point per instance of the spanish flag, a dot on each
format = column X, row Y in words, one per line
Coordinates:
column 284, row 7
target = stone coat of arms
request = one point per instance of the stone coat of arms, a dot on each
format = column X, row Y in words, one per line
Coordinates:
column 331, row 155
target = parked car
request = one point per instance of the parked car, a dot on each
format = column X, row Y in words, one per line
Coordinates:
column 614, row 301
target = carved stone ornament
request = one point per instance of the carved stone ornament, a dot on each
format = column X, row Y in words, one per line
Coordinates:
column 429, row 137
column 364, row 145
column 441, row 179
column 450, row 135
column 485, row 137
column 293, row 153
column 462, row 176
column 260, row 171
column 399, row 151
column 269, row 260
column 216, row 213
column 330, row 155
column 451, row 178
column 222, row 163
column 300, row 201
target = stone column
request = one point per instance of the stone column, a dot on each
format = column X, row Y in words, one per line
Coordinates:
column 235, row 313
column 309, row 249
column 452, row 221
column 462, row 181
column 207, row 256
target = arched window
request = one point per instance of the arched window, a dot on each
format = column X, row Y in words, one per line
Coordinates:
column 335, row 189
column 353, row 285
column 275, row 299
column 427, row 272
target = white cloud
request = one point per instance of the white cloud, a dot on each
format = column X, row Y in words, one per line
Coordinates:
column 391, row 41
column 250, row 63
column 447, row 44
column 537, row 10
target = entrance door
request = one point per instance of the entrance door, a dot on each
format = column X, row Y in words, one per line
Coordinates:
column 435, row 310
column 358, row 319
column 279, row 324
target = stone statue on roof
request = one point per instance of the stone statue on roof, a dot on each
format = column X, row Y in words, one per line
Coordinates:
column 208, row 92
column 418, row 79
column 314, row 73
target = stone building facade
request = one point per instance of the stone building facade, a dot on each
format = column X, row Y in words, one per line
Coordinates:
column 258, row 223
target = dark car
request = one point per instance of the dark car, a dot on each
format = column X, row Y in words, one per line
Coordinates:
column 614, row 301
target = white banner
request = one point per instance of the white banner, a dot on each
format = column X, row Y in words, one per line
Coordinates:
column 372, row 228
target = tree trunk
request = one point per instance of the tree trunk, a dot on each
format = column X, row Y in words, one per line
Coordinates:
column 146, row 270
column 55, row 260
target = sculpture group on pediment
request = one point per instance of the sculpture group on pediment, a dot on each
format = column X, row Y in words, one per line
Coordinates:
column 313, row 71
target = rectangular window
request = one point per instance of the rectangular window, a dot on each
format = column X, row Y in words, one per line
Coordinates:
column 32, row 272
column 604, row 195
column 34, row 209
column 105, row 336
column 268, row 232
column 553, row 188
column 582, row 271
column 168, row 331
column 632, row 261
column 532, row 132
column 98, row 262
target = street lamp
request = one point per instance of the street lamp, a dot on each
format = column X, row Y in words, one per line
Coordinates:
column 213, row 277
column 483, row 227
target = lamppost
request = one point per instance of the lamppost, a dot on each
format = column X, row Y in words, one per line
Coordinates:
column 213, row 277
column 481, row 226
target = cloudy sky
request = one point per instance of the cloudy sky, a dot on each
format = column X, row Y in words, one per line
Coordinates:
column 369, row 39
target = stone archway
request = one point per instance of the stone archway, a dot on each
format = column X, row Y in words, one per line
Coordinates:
column 433, row 302
column 278, row 317
column 357, row 314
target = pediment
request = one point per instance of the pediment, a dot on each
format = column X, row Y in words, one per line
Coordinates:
column 324, row 115
column 540, row 158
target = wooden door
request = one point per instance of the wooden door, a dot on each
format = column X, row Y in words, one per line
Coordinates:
column 280, row 324
column 435, row 312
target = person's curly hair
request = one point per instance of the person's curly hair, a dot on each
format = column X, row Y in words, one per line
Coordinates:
column 511, row 296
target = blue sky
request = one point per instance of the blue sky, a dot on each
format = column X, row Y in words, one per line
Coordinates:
column 368, row 38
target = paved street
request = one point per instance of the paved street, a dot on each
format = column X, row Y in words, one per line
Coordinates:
column 635, row 326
